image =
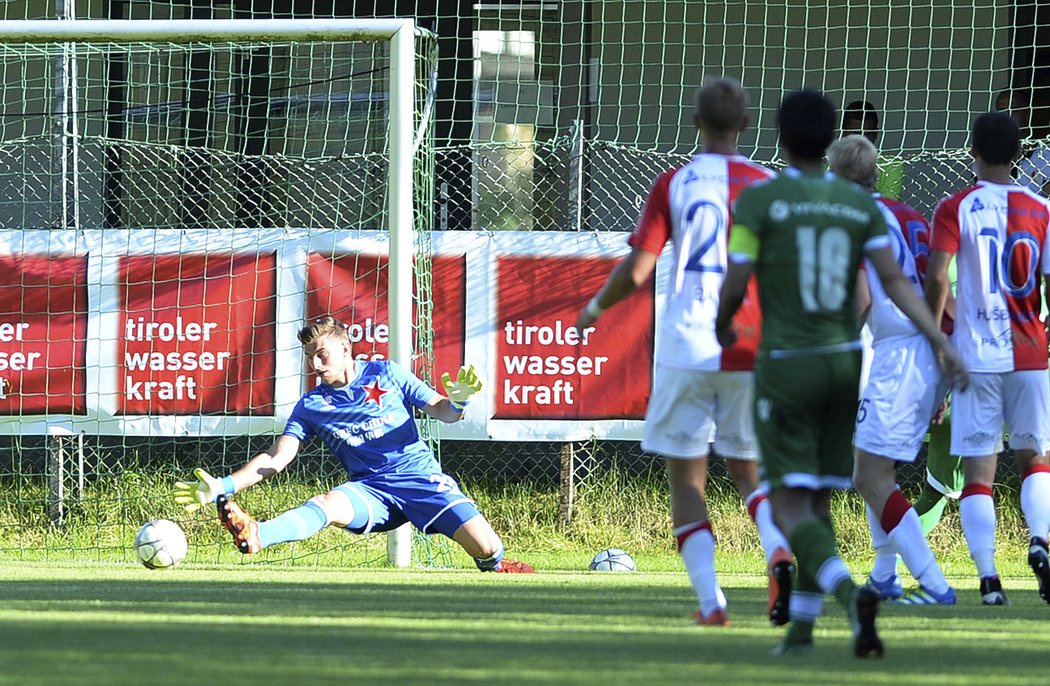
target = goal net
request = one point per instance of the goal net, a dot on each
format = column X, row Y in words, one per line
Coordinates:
column 176, row 199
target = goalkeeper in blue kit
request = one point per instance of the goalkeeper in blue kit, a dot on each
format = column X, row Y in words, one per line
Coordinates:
column 362, row 411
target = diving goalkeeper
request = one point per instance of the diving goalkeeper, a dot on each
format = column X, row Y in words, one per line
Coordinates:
column 361, row 410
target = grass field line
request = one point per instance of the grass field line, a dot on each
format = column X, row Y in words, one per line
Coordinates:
column 101, row 624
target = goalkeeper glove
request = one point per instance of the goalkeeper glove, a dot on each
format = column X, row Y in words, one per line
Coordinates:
column 192, row 496
column 459, row 391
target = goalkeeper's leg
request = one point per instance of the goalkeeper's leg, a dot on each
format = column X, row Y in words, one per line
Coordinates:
column 477, row 537
column 436, row 504
column 295, row 525
column 344, row 506
column 241, row 525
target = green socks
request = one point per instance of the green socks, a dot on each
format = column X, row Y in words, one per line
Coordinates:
column 813, row 543
column 930, row 507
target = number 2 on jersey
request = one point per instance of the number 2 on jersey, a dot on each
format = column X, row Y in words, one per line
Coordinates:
column 706, row 221
column 823, row 266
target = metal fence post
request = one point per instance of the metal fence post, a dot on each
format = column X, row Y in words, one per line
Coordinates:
column 567, row 483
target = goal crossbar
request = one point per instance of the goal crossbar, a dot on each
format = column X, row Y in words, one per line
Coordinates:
column 200, row 30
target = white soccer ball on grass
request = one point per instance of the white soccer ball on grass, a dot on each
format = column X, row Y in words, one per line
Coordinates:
column 160, row 544
column 613, row 560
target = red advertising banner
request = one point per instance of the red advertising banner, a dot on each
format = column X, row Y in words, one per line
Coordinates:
column 353, row 289
column 544, row 369
column 43, row 334
column 128, row 333
column 197, row 334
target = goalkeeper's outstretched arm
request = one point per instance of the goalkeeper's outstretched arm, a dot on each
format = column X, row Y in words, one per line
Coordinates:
column 195, row 494
column 267, row 463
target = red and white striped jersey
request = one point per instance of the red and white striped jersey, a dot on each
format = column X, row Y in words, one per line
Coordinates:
column 690, row 206
column 908, row 231
column 998, row 233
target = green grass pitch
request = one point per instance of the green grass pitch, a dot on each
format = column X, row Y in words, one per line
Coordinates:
column 240, row 624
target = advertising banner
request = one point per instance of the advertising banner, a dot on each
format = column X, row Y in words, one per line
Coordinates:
column 545, row 369
column 353, row 289
column 43, row 334
column 197, row 334
column 154, row 332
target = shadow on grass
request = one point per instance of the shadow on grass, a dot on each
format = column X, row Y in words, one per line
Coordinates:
column 474, row 630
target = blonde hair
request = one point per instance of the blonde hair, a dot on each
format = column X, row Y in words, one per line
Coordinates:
column 721, row 104
column 320, row 328
column 854, row 158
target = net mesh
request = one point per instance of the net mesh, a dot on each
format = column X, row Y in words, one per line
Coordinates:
column 274, row 135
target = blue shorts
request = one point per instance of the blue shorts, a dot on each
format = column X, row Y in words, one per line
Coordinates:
column 433, row 503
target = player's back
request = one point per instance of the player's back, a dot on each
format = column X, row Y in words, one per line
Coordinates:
column 998, row 233
column 909, row 232
column 812, row 229
column 690, row 207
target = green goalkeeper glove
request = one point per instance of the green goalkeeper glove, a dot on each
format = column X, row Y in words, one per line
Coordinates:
column 459, row 391
column 192, row 496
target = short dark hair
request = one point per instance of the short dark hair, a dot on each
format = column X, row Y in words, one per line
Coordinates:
column 1010, row 99
column 806, row 120
column 996, row 137
column 862, row 111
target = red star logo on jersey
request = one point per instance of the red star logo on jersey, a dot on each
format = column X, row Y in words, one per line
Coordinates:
column 375, row 393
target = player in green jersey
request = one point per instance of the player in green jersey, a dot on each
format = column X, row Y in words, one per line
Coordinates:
column 944, row 472
column 803, row 234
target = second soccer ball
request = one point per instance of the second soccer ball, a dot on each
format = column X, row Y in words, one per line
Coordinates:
column 612, row 560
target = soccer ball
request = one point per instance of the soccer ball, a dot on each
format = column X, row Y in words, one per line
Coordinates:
column 160, row 544
column 612, row 560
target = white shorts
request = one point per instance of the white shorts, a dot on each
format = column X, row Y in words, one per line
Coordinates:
column 687, row 405
column 903, row 390
column 1018, row 400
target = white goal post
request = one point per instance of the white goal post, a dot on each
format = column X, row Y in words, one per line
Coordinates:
column 401, row 36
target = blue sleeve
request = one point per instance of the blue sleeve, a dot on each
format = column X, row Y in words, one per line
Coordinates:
column 297, row 426
column 416, row 392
